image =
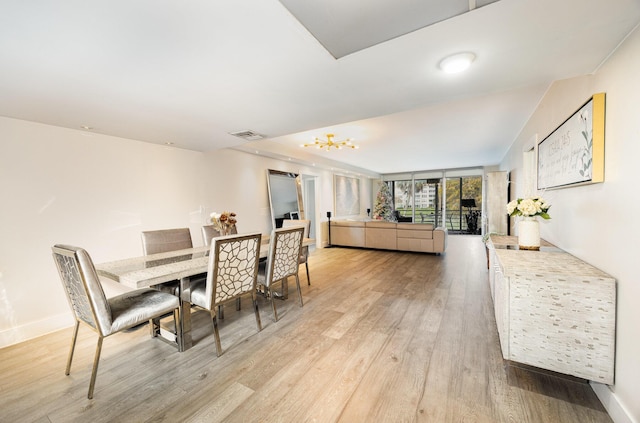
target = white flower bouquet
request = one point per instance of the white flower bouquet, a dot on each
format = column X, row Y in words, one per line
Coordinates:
column 529, row 207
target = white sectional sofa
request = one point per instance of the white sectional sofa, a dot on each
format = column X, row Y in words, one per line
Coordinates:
column 419, row 237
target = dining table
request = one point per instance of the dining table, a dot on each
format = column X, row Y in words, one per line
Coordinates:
column 182, row 265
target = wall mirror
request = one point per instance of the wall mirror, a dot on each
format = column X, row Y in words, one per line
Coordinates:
column 285, row 196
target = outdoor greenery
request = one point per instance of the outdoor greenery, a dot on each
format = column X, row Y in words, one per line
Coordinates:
column 458, row 218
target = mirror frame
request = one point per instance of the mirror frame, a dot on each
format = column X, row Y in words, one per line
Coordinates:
column 272, row 173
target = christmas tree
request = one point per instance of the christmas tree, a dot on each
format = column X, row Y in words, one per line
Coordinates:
column 382, row 210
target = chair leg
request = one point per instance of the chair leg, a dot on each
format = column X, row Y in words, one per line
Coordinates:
column 238, row 304
column 220, row 312
column 273, row 305
column 306, row 264
column 154, row 326
column 299, row 290
column 73, row 347
column 216, row 334
column 94, row 372
column 254, row 297
column 176, row 323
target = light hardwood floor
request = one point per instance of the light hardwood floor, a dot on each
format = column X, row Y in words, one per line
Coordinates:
column 382, row 337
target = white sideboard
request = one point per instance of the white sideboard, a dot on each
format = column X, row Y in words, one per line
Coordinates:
column 553, row 311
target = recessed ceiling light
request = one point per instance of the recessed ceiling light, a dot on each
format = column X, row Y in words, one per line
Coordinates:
column 168, row 143
column 457, row 63
column 86, row 128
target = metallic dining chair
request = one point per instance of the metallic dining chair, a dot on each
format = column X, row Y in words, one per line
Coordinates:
column 105, row 316
column 284, row 253
column 232, row 272
column 163, row 241
column 166, row 240
column 304, row 252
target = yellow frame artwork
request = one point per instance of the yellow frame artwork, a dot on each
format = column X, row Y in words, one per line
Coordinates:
column 573, row 154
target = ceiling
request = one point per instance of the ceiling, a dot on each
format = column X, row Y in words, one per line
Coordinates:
column 345, row 27
column 191, row 73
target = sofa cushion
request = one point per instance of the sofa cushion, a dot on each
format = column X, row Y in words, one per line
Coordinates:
column 350, row 223
column 381, row 236
column 347, row 233
column 381, row 224
column 415, row 226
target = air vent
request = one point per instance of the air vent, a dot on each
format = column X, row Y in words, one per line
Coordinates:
column 247, row 135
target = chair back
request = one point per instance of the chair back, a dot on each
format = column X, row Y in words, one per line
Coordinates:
column 210, row 231
column 165, row 240
column 306, row 224
column 233, row 268
column 82, row 286
column 291, row 223
column 284, row 250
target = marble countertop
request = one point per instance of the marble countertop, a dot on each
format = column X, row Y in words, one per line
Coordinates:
column 153, row 269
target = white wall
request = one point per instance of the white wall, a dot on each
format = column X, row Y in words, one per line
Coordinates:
column 60, row 185
column 598, row 223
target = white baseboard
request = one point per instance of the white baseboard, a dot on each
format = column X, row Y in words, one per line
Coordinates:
column 610, row 402
column 35, row 329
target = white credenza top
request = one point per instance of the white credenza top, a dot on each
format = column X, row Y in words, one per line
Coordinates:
column 515, row 262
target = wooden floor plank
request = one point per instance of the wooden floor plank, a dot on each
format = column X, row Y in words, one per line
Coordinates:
column 383, row 336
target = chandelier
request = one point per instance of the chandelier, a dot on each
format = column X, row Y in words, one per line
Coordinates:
column 330, row 143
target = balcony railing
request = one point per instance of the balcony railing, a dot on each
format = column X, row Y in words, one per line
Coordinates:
column 458, row 221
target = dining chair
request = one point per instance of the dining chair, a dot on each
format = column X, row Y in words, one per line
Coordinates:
column 284, row 253
column 304, row 252
column 163, row 241
column 210, row 231
column 232, row 272
column 105, row 316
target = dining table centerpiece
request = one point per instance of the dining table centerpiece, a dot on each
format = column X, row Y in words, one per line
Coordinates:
column 224, row 222
column 529, row 227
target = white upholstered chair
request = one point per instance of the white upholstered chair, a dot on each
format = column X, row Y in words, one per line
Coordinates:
column 208, row 233
column 104, row 316
column 232, row 272
column 304, row 252
column 282, row 262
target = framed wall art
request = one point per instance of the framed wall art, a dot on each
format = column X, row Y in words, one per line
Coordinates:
column 347, row 195
column 573, row 154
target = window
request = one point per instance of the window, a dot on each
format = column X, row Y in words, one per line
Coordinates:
column 453, row 201
column 464, row 204
column 418, row 200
